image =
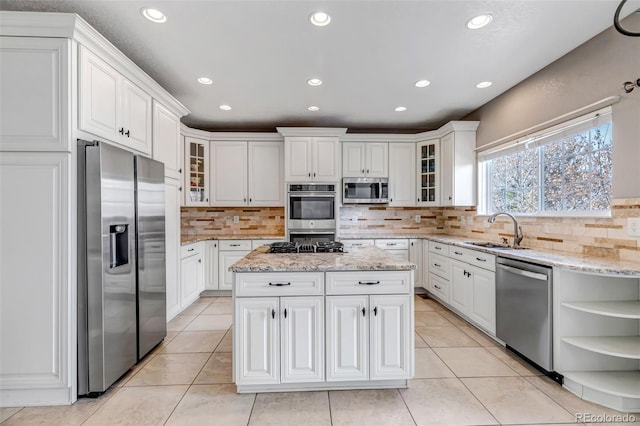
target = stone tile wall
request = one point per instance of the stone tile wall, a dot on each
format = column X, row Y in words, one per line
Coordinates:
column 218, row 222
column 383, row 221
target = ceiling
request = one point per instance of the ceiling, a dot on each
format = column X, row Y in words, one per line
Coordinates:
column 260, row 55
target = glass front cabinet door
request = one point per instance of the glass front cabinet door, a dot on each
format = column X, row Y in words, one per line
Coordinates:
column 197, row 172
column 428, row 168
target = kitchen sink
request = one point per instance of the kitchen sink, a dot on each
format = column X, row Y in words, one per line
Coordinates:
column 493, row 245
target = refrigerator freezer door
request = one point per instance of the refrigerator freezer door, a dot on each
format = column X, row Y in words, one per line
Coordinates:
column 150, row 225
column 107, row 287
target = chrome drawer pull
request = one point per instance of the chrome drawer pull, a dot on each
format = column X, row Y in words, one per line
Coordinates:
column 481, row 260
column 279, row 284
column 368, row 282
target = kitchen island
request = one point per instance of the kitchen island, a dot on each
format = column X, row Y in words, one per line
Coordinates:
column 311, row 321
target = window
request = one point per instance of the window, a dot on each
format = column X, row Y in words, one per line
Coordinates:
column 564, row 170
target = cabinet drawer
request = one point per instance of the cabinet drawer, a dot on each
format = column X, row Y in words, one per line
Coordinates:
column 439, row 287
column 235, row 245
column 356, row 243
column 369, row 282
column 474, row 257
column 393, row 244
column 440, row 266
column 439, row 248
column 190, row 250
column 279, row 284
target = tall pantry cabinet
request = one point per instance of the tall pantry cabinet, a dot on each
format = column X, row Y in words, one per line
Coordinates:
column 52, row 66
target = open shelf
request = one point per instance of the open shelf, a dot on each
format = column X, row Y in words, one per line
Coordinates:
column 623, row 309
column 620, row 346
column 621, row 383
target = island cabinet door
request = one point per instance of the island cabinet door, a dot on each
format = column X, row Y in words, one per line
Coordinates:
column 302, row 329
column 391, row 337
column 258, row 360
column 347, row 338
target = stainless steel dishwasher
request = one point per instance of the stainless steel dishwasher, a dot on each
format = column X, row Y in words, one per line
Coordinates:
column 524, row 310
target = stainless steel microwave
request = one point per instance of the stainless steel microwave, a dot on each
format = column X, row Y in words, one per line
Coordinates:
column 365, row 190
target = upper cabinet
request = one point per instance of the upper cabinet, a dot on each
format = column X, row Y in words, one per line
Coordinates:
column 428, row 168
column 111, row 106
column 458, row 169
column 166, row 140
column 365, row 159
column 196, row 164
column 402, row 174
column 312, row 154
column 247, row 173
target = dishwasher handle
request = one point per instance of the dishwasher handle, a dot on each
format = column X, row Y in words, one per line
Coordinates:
column 518, row 271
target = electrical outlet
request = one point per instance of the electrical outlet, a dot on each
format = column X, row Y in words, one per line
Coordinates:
column 354, row 218
column 418, row 218
column 236, row 219
column 463, row 220
column 277, row 218
column 633, row 226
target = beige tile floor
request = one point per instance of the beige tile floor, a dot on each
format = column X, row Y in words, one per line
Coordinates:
column 462, row 378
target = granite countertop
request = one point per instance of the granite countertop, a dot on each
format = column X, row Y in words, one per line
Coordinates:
column 190, row 239
column 558, row 259
column 361, row 259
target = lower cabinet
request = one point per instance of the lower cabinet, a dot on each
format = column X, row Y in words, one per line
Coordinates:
column 227, row 258
column 191, row 274
column 368, row 337
column 473, row 293
column 280, row 340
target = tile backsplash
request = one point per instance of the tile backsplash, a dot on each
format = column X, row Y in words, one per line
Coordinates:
column 604, row 237
column 218, row 222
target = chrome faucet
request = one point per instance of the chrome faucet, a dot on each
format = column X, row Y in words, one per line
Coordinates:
column 517, row 229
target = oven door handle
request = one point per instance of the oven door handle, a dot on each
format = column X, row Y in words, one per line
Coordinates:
column 314, row 194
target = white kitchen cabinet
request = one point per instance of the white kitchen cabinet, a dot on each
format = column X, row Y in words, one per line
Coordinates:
column 229, row 252
column 172, row 199
column 312, row 159
column 484, row 298
column 428, row 172
column 365, row 159
column 461, row 297
column 211, row 265
column 402, row 175
column 458, row 169
column 397, row 247
column 281, row 340
column 229, row 173
column 247, row 173
column 415, row 256
column 111, row 106
column 35, row 94
column 191, row 274
column 368, row 337
column 166, row 140
column 196, row 165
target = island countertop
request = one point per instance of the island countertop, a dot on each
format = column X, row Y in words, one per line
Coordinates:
column 361, row 259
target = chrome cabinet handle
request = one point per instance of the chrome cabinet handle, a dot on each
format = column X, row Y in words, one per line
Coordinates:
column 368, row 282
column 279, row 284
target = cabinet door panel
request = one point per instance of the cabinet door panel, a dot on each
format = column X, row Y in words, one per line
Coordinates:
column 229, row 173
column 257, row 341
column 347, row 338
column 136, row 117
column 211, row 272
column 228, row 258
column 326, row 159
column 302, row 350
column 402, row 178
column 196, row 157
column 461, row 287
column 190, row 279
column 166, row 140
column 172, row 231
column 415, row 256
column 391, row 337
column 377, row 159
column 99, row 97
column 484, row 299
column 353, row 159
column 446, row 170
column 297, row 153
column 266, row 181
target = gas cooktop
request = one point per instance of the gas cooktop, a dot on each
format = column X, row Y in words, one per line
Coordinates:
column 317, row 247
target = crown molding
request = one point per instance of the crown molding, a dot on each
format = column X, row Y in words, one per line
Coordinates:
column 311, row 131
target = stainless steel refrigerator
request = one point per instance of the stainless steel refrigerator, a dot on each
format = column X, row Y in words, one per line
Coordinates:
column 121, row 262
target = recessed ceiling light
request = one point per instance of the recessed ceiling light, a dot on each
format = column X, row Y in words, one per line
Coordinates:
column 320, row 19
column 479, row 21
column 422, row 83
column 313, row 108
column 205, row 80
column 154, row 15
column 400, row 109
column 314, row 82
column 225, row 107
column 484, row 84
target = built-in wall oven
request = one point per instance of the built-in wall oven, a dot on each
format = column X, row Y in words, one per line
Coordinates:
column 311, row 211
